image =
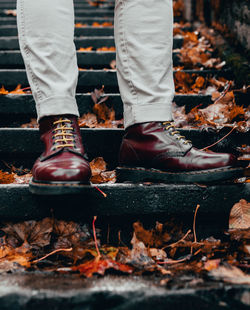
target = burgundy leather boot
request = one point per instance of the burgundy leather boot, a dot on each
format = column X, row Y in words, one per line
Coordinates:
column 155, row 151
column 63, row 167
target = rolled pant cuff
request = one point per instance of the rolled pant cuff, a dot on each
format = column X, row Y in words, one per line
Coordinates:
column 57, row 105
column 151, row 112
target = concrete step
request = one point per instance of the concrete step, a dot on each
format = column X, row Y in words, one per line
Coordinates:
column 16, row 110
column 11, row 43
column 90, row 79
column 77, row 6
column 35, row 291
column 11, row 30
column 216, row 201
column 88, row 59
column 10, row 20
column 22, row 145
column 100, row 12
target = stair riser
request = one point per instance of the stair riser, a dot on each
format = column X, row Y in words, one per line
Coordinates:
column 11, row 43
column 16, row 110
column 11, row 30
column 89, row 79
column 130, row 200
column 84, row 13
column 77, row 6
column 23, row 145
column 4, row 21
column 96, row 60
column 82, row 31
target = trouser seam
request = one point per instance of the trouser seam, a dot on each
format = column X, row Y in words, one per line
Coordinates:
column 125, row 51
column 24, row 45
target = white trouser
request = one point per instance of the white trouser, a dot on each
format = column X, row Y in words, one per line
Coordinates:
column 143, row 36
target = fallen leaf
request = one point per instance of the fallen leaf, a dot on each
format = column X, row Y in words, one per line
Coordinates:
column 240, row 215
column 85, row 49
column 99, row 266
column 6, row 178
column 29, row 234
column 212, row 264
column 99, row 174
column 230, row 274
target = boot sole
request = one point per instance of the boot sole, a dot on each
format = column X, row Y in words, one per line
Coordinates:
column 139, row 174
column 56, row 188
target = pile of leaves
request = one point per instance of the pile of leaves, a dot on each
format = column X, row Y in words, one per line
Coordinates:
column 60, row 246
column 197, row 52
column 178, row 6
column 102, row 116
column 224, row 112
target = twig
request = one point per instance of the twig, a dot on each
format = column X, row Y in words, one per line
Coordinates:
column 25, row 88
column 51, row 253
column 197, row 252
column 172, row 261
column 194, row 227
column 224, row 92
column 99, row 190
column 208, row 147
column 175, row 243
column 94, row 233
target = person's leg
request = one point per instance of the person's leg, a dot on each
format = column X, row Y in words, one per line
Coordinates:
column 144, row 38
column 46, row 39
column 152, row 149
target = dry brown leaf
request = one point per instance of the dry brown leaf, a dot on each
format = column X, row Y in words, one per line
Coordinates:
column 22, row 179
column 230, row 274
column 106, row 49
column 30, row 234
column 212, row 264
column 105, row 24
column 10, row 12
column 79, row 25
column 240, row 215
column 99, row 174
column 85, row 49
column 6, row 178
column 99, row 266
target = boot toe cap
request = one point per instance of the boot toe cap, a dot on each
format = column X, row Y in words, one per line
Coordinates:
column 66, row 170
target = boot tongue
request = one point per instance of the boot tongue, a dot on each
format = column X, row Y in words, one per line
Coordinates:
column 47, row 122
column 169, row 126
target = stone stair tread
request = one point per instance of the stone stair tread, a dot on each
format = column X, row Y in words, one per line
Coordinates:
column 11, row 43
column 85, row 59
column 124, row 199
column 23, row 144
column 69, row 292
column 90, row 79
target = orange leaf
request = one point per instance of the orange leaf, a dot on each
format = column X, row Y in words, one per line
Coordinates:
column 6, row 178
column 105, row 24
column 106, row 49
column 78, row 25
column 85, row 49
column 3, row 91
column 100, row 266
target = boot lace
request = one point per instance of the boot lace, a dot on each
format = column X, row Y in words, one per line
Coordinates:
column 169, row 125
column 63, row 134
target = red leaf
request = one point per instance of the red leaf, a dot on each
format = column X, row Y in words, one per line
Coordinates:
column 100, row 266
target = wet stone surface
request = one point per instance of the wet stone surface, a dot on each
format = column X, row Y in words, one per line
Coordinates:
column 52, row 292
